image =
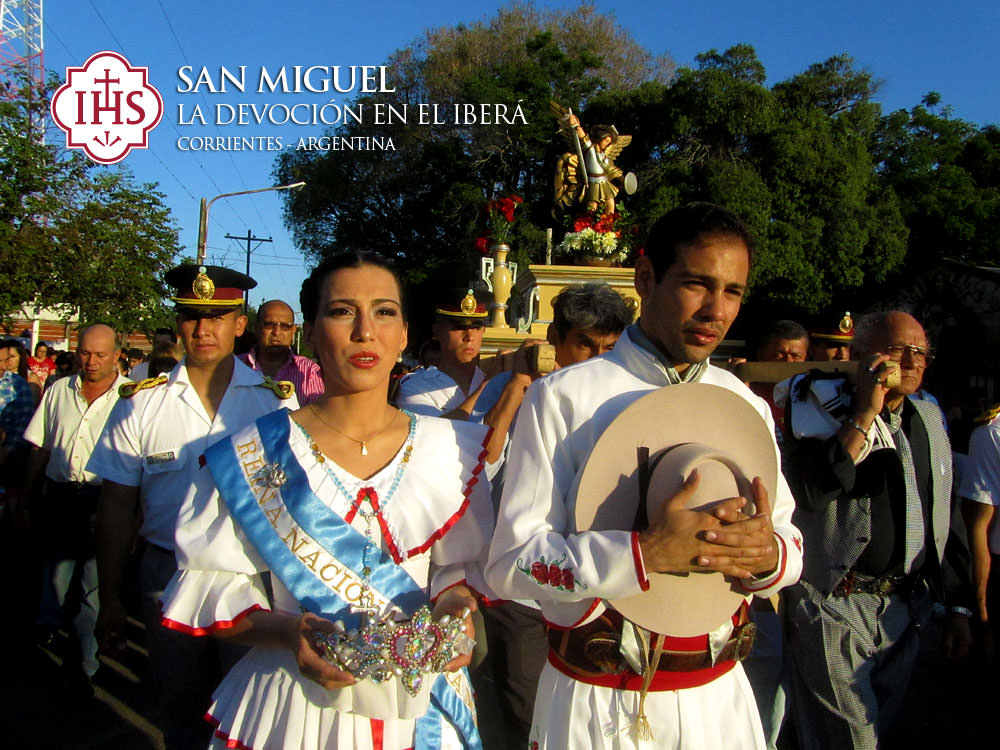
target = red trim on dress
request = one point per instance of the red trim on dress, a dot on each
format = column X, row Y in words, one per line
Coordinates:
column 640, row 564
column 378, row 733
column 215, row 627
column 783, row 554
column 230, row 743
column 450, row 586
column 457, row 515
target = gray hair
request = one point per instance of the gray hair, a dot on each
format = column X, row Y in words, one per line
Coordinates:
column 593, row 305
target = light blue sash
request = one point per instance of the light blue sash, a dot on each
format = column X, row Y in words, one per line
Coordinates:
column 316, row 554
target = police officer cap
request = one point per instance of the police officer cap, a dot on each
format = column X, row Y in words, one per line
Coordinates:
column 207, row 288
column 463, row 311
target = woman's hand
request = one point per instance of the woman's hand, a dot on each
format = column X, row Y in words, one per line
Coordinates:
column 311, row 664
column 454, row 601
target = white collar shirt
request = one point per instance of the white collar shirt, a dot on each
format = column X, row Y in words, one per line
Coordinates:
column 432, row 393
column 153, row 441
column 68, row 427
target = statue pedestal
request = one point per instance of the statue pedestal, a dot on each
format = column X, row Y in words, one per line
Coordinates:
column 538, row 287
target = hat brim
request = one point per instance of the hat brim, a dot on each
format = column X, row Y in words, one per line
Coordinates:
column 608, row 496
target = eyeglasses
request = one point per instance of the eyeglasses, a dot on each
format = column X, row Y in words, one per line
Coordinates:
column 272, row 324
column 922, row 355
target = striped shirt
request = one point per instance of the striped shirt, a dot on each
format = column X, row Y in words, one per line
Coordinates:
column 301, row 371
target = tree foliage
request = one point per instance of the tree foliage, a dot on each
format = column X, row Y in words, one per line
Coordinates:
column 840, row 196
column 75, row 236
column 946, row 173
column 423, row 202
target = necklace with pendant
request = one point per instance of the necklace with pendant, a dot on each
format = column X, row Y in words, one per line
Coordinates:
column 362, row 443
column 368, row 493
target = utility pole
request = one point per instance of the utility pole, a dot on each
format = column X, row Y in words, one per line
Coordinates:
column 249, row 238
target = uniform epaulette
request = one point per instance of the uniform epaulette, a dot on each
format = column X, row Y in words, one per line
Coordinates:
column 128, row 390
column 281, row 388
column 988, row 415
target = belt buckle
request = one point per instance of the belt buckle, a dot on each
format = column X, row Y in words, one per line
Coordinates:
column 885, row 585
column 744, row 641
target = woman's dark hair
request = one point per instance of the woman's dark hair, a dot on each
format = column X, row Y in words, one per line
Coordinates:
column 22, row 363
column 309, row 296
column 68, row 362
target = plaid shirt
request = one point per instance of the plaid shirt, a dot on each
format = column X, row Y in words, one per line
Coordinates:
column 301, row 371
column 16, row 408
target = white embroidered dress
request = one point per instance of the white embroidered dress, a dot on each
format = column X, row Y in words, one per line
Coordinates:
column 436, row 523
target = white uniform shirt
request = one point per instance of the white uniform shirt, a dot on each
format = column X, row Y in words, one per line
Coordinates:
column 153, row 441
column 560, row 421
column 68, row 427
column 981, row 479
column 432, row 393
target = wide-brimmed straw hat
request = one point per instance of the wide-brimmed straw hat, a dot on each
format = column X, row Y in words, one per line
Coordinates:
column 683, row 427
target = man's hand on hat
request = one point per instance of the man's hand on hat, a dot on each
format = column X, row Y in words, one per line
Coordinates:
column 722, row 539
column 751, row 537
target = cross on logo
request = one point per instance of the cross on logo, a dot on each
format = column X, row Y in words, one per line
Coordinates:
column 107, row 107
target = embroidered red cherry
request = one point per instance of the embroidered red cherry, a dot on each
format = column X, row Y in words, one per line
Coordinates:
column 567, row 579
column 555, row 575
column 540, row 572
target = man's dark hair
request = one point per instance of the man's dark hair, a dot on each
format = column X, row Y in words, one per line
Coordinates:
column 593, row 305
column 785, row 329
column 166, row 332
column 685, row 225
column 309, row 295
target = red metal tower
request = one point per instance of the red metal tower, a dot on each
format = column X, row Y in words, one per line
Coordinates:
column 21, row 44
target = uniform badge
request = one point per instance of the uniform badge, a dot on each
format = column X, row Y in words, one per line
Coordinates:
column 202, row 286
column 160, row 458
column 468, row 303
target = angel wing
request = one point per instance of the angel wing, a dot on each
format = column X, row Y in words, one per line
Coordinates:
column 568, row 183
column 621, row 142
column 562, row 114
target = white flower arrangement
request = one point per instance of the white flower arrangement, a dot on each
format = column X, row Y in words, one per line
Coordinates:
column 589, row 243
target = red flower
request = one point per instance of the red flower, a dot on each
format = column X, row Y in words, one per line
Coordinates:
column 555, row 575
column 567, row 579
column 540, row 572
column 483, row 245
column 582, row 222
column 506, row 207
column 607, row 222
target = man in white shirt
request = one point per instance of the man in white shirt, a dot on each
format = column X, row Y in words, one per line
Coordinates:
column 148, row 457
column 691, row 281
column 63, row 432
column 437, row 390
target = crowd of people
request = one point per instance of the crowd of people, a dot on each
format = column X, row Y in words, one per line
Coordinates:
column 641, row 548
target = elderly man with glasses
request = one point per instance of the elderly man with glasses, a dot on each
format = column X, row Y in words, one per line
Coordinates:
column 871, row 471
column 273, row 355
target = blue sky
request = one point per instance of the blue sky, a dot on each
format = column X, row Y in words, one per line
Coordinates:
column 912, row 47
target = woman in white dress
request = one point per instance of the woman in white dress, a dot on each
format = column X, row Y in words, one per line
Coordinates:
column 346, row 502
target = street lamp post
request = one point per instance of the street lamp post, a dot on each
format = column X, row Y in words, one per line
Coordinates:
column 203, row 215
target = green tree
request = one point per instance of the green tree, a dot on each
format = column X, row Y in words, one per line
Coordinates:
column 74, row 235
column 423, row 202
column 794, row 160
column 946, row 173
